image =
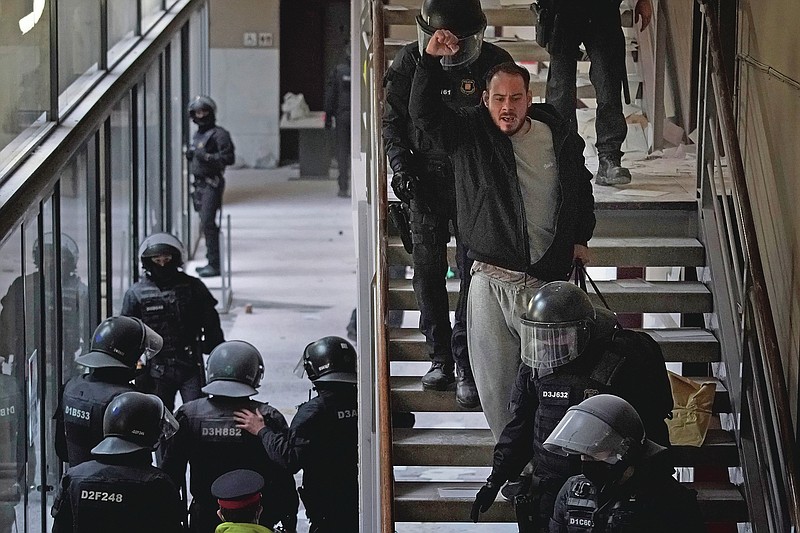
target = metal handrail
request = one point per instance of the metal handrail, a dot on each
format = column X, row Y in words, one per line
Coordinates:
column 765, row 398
column 386, row 468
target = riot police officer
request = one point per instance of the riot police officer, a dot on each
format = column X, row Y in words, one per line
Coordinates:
column 117, row 345
column 181, row 309
column 210, row 151
column 210, row 442
column 626, row 483
column 120, row 490
column 423, row 180
column 323, row 437
column 570, row 351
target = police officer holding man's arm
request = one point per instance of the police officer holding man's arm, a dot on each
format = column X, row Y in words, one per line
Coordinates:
column 570, row 351
column 120, row 490
column 209, row 441
column 118, row 344
column 210, row 151
column 423, row 181
column 322, row 439
column 627, row 481
column 182, row 310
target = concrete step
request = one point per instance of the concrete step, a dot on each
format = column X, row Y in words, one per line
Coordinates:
column 684, row 345
column 646, row 219
column 451, row 502
column 474, row 447
column 409, row 396
column 607, row 251
column 623, row 296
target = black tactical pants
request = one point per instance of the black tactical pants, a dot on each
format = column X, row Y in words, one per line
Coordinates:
column 171, row 376
column 207, row 200
column 430, row 232
column 605, row 45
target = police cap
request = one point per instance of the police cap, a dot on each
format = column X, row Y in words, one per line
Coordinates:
column 238, row 489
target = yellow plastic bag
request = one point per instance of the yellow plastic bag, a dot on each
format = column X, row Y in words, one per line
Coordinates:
column 692, row 412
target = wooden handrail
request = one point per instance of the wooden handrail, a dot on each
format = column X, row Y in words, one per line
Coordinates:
column 758, row 297
column 386, row 467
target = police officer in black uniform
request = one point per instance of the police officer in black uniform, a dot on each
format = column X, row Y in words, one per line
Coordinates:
column 117, row 345
column 323, row 437
column 423, row 181
column 570, row 351
column 598, row 26
column 120, row 490
column 181, row 309
column 626, row 483
column 210, row 151
column 337, row 104
column 210, row 442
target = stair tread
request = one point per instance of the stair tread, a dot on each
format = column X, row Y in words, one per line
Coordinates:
column 450, row 501
column 607, row 251
column 474, row 447
column 408, row 395
column 684, row 345
column 624, row 296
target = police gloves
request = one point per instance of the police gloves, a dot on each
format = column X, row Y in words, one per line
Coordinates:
column 484, row 499
column 405, row 185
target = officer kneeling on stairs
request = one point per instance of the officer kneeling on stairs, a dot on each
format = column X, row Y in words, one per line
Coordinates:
column 120, row 490
column 118, row 343
column 571, row 351
column 626, row 483
column 209, row 441
column 323, row 437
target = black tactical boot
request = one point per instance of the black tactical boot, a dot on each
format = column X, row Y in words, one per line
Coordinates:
column 208, row 271
column 439, row 377
column 466, row 392
column 611, row 172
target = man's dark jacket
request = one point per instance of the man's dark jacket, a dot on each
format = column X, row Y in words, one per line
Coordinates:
column 459, row 88
column 491, row 213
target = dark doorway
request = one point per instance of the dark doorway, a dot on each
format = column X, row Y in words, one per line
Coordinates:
column 312, row 36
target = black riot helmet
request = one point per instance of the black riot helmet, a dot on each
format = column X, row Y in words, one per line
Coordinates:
column 604, row 427
column 161, row 244
column 202, row 103
column 328, row 359
column 69, row 252
column 120, row 341
column 135, row 421
column 464, row 18
column 234, row 370
column 557, row 325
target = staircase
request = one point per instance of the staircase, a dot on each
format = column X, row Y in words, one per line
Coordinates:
column 441, row 462
column 628, row 234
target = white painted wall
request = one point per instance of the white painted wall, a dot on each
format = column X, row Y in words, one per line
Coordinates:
column 245, row 85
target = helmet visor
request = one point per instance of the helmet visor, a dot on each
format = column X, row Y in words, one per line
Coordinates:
column 300, row 367
column 169, row 425
column 552, row 345
column 151, row 344
column 469, row 46
column 582, row 433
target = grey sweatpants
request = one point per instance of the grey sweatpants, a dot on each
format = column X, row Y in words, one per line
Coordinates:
column 494, row 308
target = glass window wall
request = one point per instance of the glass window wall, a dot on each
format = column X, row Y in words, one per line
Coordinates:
column 154, row 148
column 78, row 48
column 123, row 247
column 151, row 10
column 25, row 68
column 121, row 28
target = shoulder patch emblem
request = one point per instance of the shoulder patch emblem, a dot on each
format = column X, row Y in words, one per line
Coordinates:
column 468, row 86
